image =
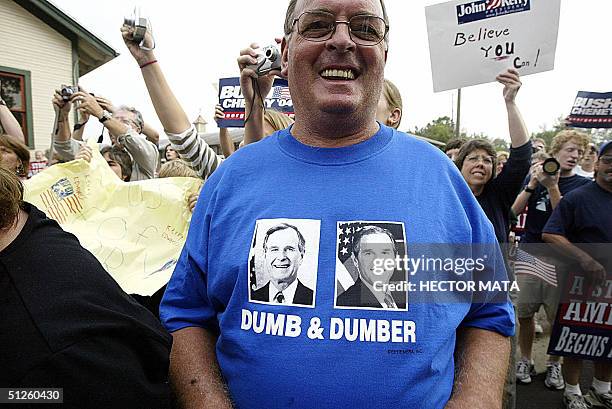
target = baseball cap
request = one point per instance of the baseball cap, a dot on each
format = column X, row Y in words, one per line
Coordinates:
column 604, row 147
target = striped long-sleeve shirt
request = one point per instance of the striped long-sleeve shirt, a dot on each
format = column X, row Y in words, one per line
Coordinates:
column 193, row 150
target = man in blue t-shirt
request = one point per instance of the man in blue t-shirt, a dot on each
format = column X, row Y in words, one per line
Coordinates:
column 581, row 228
column 541, row 194
column 334, row 172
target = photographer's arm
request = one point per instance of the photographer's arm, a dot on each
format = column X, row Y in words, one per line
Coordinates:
column 89, row 104
column 79, row 128
column 225, row 140
column 253, row 110
column 167, row 107
column 194, row 371
column 182, row 134
column 62, row 108
column 151, row 134
column 10, row 124
column 481, row 359
column 516, row 126
column 66, row 147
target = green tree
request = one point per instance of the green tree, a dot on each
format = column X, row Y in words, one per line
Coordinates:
column 500, row 144
column 549, row 134
column 441, row 129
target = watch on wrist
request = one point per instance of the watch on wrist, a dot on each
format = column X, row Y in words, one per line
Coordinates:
column 105, row 116
column 529, row 190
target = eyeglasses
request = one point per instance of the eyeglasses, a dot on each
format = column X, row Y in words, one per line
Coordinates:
column 364, row 29
column 606, row 160
column 487, row 160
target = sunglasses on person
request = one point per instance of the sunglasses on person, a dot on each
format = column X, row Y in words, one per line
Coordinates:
column 364, row 29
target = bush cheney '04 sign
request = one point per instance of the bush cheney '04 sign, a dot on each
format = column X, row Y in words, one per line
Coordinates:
column 591, row 110
column 232, row 101
column 471, row 42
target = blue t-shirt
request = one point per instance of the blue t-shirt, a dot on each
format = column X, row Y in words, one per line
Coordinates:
column 312, row 351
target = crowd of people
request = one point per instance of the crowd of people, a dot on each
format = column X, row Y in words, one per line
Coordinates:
column 260, row 270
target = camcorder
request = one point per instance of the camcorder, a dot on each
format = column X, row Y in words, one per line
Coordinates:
column 139, row 25
column 67, row 91
column 551, row 166
column 268, row 60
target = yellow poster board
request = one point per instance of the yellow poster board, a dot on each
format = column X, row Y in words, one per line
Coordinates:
column 136, row 230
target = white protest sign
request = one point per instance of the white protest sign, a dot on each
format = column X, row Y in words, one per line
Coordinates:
column 471, row 42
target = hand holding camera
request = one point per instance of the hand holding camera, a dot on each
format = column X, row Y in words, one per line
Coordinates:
column 260, row 65
column 137, row 35
column 61, row 100
column 546, row 173
column 87, row 103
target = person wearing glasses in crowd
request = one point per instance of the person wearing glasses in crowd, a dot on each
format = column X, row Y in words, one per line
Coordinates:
column 496, row 187
column 125, row 126
column 334, row 164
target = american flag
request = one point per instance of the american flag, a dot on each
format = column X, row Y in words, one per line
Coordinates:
column 346, row 272
column 281, row 93
column 527, row 264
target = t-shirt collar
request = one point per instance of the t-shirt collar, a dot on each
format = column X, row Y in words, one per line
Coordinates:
column 335, row 156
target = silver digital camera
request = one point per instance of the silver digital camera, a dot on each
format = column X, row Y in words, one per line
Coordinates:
column 140, row 25
column 268, row 60
column 67, row 91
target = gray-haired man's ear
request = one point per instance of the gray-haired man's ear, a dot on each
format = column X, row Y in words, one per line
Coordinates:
column 285, row 56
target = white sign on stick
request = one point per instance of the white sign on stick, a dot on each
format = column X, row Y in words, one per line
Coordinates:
column 471, row 42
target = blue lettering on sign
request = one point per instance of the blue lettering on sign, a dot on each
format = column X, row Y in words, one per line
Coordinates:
column 483, row 9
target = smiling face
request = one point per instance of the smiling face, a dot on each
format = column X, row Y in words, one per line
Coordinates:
column 477, row 169
column 335, row 76
column 283, row 257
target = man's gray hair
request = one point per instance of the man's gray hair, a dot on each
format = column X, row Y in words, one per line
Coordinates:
column 290, row 16
column 284, row 226
column 139, row 121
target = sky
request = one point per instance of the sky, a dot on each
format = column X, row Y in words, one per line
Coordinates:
column 198, row 43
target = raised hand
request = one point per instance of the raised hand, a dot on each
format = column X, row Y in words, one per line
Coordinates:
column 512, row 83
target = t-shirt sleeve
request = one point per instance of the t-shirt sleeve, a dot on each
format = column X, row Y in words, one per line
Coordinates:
column 186, row 302
column 491, row 308
column 562, row 218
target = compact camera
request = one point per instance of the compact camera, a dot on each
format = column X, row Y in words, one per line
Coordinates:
column 67, row 91
column 268, row 60
column 551, row 166
column 139, row 25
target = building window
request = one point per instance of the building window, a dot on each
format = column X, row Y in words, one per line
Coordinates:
column 14, row 89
